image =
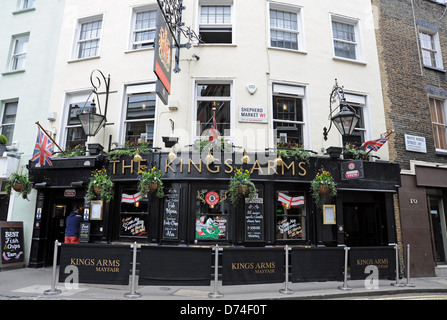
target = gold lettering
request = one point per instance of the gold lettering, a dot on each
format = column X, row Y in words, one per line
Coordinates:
column 303, row 171
column 292, row 164
column 168, row 165
column 230, row 167
column 213, row 171
column 199, row 169
column 141, row 166
column 181, row 165
column 271, row 165
column 114, row 165
column 127, row 166
column 256, row 166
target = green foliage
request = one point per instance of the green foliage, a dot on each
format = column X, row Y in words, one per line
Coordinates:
column 100, row 179
column 323, row 178
column 3, row 139
column 147, row 178
column 241, row 178
column 22, row 178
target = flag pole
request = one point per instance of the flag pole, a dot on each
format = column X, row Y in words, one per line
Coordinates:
column 386, row 137
column 54, row 142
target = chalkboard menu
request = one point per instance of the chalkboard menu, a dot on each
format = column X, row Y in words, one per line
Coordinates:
column 11, row 243
column 84, row 232
column 254, row 220
column 171, row 214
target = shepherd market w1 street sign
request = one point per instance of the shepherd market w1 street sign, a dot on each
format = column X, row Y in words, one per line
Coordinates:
column 253, row 114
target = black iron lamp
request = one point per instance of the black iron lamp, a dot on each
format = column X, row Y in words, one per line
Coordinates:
column 345, row 120
column 91, row 121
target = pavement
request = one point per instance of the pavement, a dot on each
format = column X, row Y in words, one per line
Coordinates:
column 31, row 284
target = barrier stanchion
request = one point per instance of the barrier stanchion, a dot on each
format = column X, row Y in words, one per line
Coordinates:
column 397, row 283
column 345, row 278
column 133, row 293
column 53, row 289
column 216, row 293
column 408, row 284
column 286, row 290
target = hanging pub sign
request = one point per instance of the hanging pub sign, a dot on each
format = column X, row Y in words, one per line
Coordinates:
column 352, row 169
column 163, row 56
column 11, row 243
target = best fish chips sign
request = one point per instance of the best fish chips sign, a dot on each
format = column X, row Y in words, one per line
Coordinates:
column 163, row 55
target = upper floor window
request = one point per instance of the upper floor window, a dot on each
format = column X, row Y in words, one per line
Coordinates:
column 26, row 4
column 88, row 38
column 74, row 135
column 19, row 50
column 288, row 115
column 285, row 28
column 439, row 122
column 139, row 120
column 345, row 36
column 359, row 104
column 8, row 120
column 144, row 25
column 430, row 48
column 217, row 96
column 215, row 25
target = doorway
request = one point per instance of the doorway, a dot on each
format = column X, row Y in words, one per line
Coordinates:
column 364, row 224
column 438, row 228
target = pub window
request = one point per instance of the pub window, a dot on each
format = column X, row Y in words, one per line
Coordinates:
column 75, row 137
column 290, row 216
column 140, row 115
column 357, row 137
column 134, row 215
column 209, row 96
column 212, row 214
column 288, row 115
column 215, row 25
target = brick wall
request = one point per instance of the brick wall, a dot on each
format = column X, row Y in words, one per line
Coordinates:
column 404, row 80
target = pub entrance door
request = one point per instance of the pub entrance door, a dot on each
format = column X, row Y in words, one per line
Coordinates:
column 60, row 209
column 365, row 225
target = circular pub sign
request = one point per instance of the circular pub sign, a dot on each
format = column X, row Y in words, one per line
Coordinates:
column 212, row 198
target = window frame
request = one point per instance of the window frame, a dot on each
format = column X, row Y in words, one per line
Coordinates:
column 436, row 50
column 13, row 63
column 297, row 10
column 3, row 125
column 438, row 144
column 355, row 23
column 135, row 90
column 83, row 98
column 293, row 91
column 303, row 215
column 78, row 41
column 231, row 25
column 26, row 4
column 134, row 31
column 197, row 99
column 359, row 101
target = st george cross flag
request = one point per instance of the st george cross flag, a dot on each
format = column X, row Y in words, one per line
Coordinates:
column 374, row 145
column 130, row 198
column 214, row 134
column 43, row 150
column 292, row 201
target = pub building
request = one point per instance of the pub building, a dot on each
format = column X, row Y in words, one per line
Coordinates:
column 196, row 210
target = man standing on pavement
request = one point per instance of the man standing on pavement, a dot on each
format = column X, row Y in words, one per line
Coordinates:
column 72, row 226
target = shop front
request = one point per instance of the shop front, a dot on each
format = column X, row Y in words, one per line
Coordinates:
column 196, row 210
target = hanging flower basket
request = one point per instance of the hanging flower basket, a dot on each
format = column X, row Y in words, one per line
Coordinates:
column 19, row 182
column 100, row 184
column 150, row 182
column 322, row 185
column 241, row 186
column 18, row 187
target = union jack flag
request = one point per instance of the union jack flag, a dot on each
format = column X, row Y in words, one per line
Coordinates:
column 374, row 145
column 43, row 150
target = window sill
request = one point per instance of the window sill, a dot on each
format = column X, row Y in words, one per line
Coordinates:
column 83, row 59
column 288, row 50
column 349, row 60
column 138, row 50
column 215, row 45
column 435, row 69
column 13, row 72
column 23, row 11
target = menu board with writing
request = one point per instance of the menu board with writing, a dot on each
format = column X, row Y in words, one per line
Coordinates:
column 11, row 242
column 171, row 214
column 84, row 232
column 254, row 220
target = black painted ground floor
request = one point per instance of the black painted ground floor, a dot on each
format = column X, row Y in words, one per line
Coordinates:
column 196, row 210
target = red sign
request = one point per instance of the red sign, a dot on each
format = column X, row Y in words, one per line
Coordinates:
column 69, row 193
column 212, row 198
